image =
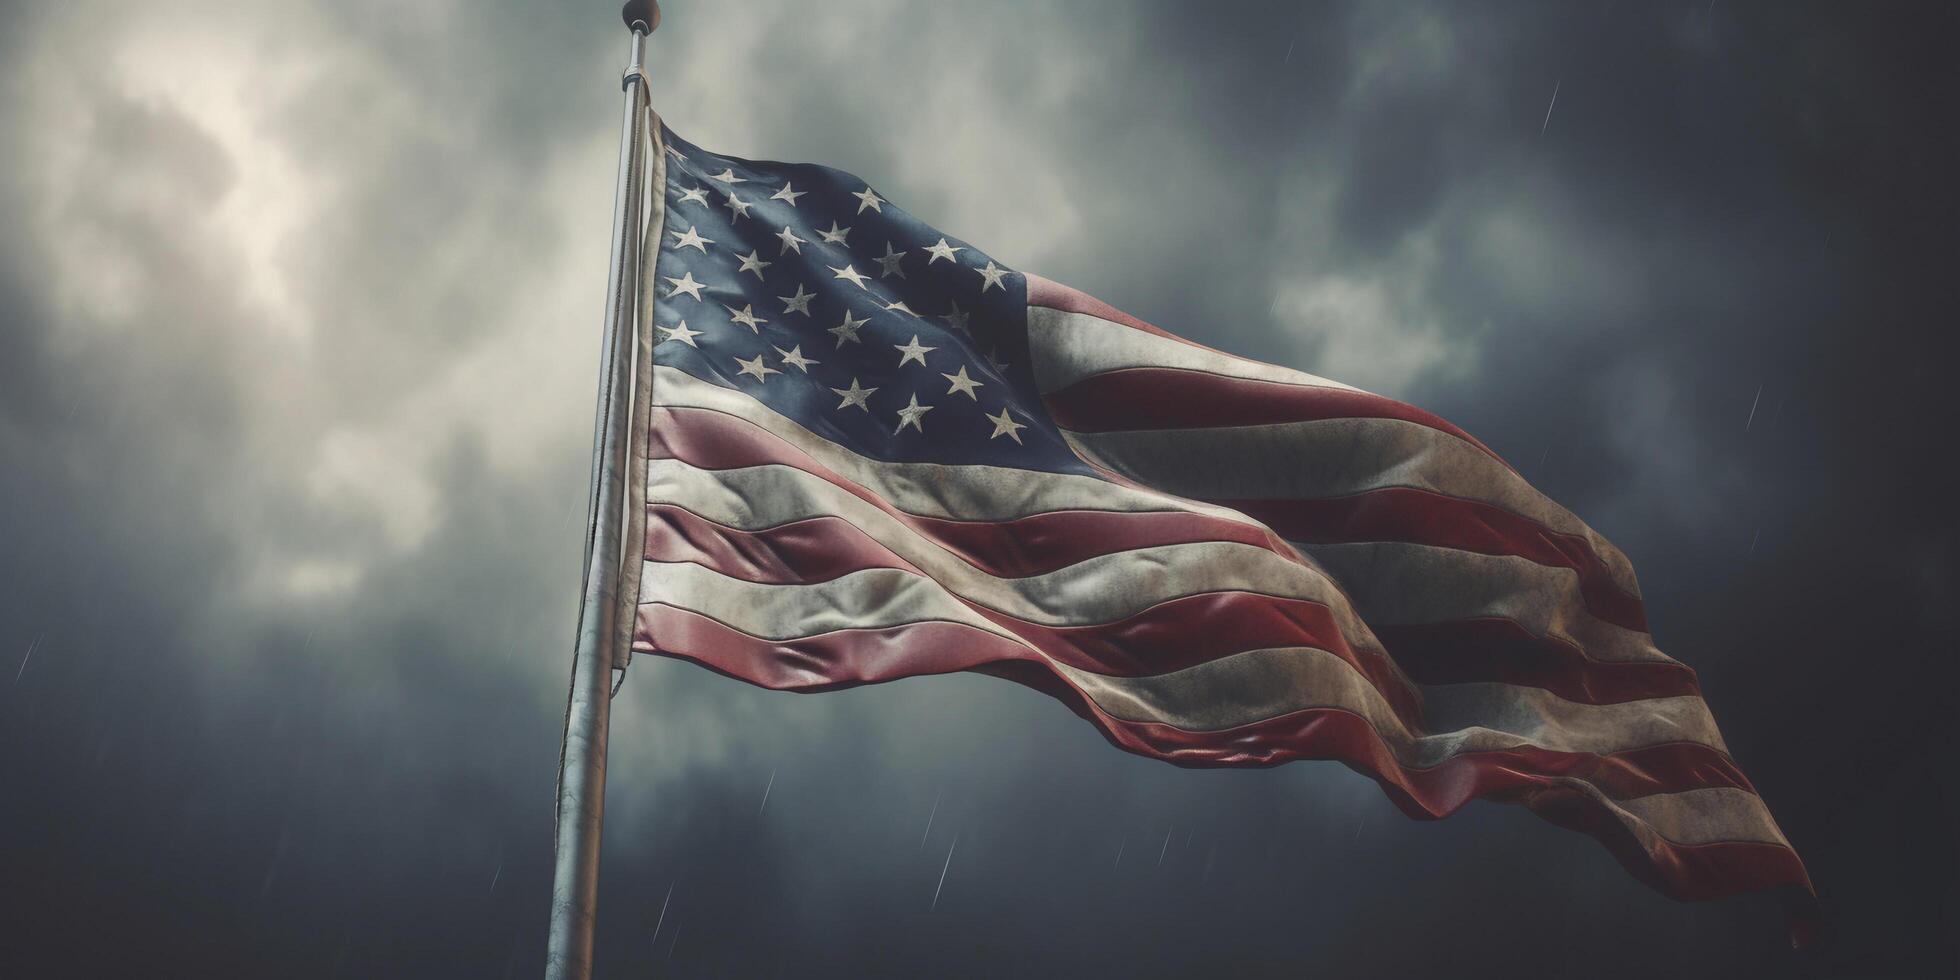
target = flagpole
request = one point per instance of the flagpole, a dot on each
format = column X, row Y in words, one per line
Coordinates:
column 582, row 760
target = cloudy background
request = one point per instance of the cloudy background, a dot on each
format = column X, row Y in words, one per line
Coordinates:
column 299, row 314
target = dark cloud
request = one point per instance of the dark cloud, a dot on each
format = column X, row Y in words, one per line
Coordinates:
column 298, row 315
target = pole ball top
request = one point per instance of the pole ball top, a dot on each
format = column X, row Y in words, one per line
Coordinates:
column 644, row 13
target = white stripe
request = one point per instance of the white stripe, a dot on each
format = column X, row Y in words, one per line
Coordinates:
column 1253, row 686
column 1329, row 458
column 958, row 492
column 1069, row 346
column 1702, row 816
column 1394, row 583
column 877, row 598
column 1546, row 719
column 1232, row 691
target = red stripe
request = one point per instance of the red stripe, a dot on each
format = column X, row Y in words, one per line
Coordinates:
column 1024, row 546
column 1165, row 637
column 1131, row 399
column 1426, row 517
column 848, row 658
column 1687, row 872
column 1492, row 649
column 1107, row 402
column 1055, row 296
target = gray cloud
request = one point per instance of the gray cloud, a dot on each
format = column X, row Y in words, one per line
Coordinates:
column 298, row 325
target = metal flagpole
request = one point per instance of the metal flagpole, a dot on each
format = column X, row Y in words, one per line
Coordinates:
column 582, row 762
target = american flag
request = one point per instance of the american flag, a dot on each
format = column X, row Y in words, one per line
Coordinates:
column 875, row 452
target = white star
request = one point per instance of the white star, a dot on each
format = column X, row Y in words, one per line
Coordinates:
column 799, row 303
column 737, row 208
column 752, row 262
column 676, row 154
column 745, row 316
column 727, row 176
column 835, row 236
column 962, row 384
column 854, row 395
column 1004, row 425
column 911, row 414
column 791, row 243
column 685, row 284
column 855, row 277
column 756, row 367
column 992, row 273
column 680, row 333
column 942, row 251
column 847, row 332
column 787, row 195
column 868, row 198
column 692, row 239
column 794, row 356
column 900, row 307
column 890, row 262
column 956, row 318
column 696, row 194
column 913, row 352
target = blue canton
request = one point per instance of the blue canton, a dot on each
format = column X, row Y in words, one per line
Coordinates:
column 801, row 286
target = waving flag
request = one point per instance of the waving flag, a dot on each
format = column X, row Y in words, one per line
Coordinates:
column 875, row 452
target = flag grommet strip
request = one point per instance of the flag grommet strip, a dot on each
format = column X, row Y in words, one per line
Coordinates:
column 632, row 554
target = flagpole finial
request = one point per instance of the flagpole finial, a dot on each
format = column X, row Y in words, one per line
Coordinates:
column 641, row 15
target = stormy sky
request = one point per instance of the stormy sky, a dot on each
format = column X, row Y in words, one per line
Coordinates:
column 299, row 326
